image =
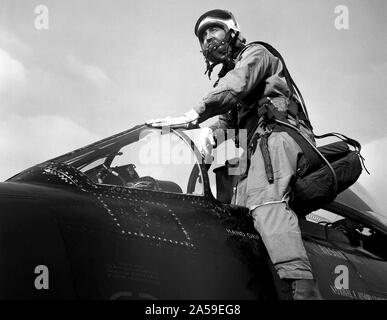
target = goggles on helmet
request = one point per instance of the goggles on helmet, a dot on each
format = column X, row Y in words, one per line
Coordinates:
column 217, row 17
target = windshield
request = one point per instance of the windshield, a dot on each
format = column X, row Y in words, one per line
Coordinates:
column 143, row 158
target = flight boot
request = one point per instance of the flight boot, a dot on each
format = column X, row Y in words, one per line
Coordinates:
column 305, row 289
column 299, row 289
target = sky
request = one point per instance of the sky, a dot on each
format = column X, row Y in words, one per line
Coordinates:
column 101, row 67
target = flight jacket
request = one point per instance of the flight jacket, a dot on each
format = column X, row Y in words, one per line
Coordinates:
column 257, row 74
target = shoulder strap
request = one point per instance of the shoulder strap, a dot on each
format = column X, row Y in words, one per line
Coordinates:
column 294, row 91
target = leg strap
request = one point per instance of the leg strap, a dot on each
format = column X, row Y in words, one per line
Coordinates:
column 263, row 145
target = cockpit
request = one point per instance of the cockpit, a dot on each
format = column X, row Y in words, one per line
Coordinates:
column 144, row 158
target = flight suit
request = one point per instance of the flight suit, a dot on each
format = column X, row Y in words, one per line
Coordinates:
column 257, row 74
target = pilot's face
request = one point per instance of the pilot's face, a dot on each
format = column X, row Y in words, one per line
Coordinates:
column 213, row 32
column 211, row 40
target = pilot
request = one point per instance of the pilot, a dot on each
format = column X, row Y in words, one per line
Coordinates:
column 252, row 73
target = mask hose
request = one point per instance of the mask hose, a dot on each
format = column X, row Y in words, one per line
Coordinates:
column 228, row 64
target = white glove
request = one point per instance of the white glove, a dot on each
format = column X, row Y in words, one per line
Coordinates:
column 188, row 120
column 206, row 143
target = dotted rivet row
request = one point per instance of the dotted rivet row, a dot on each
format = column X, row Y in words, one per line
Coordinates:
column 180, row 225
column 62, row 173
column 133, row 192
column 140, row 234
column 59, row 174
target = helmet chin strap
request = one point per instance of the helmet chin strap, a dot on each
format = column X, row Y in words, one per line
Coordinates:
column 228, row 63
